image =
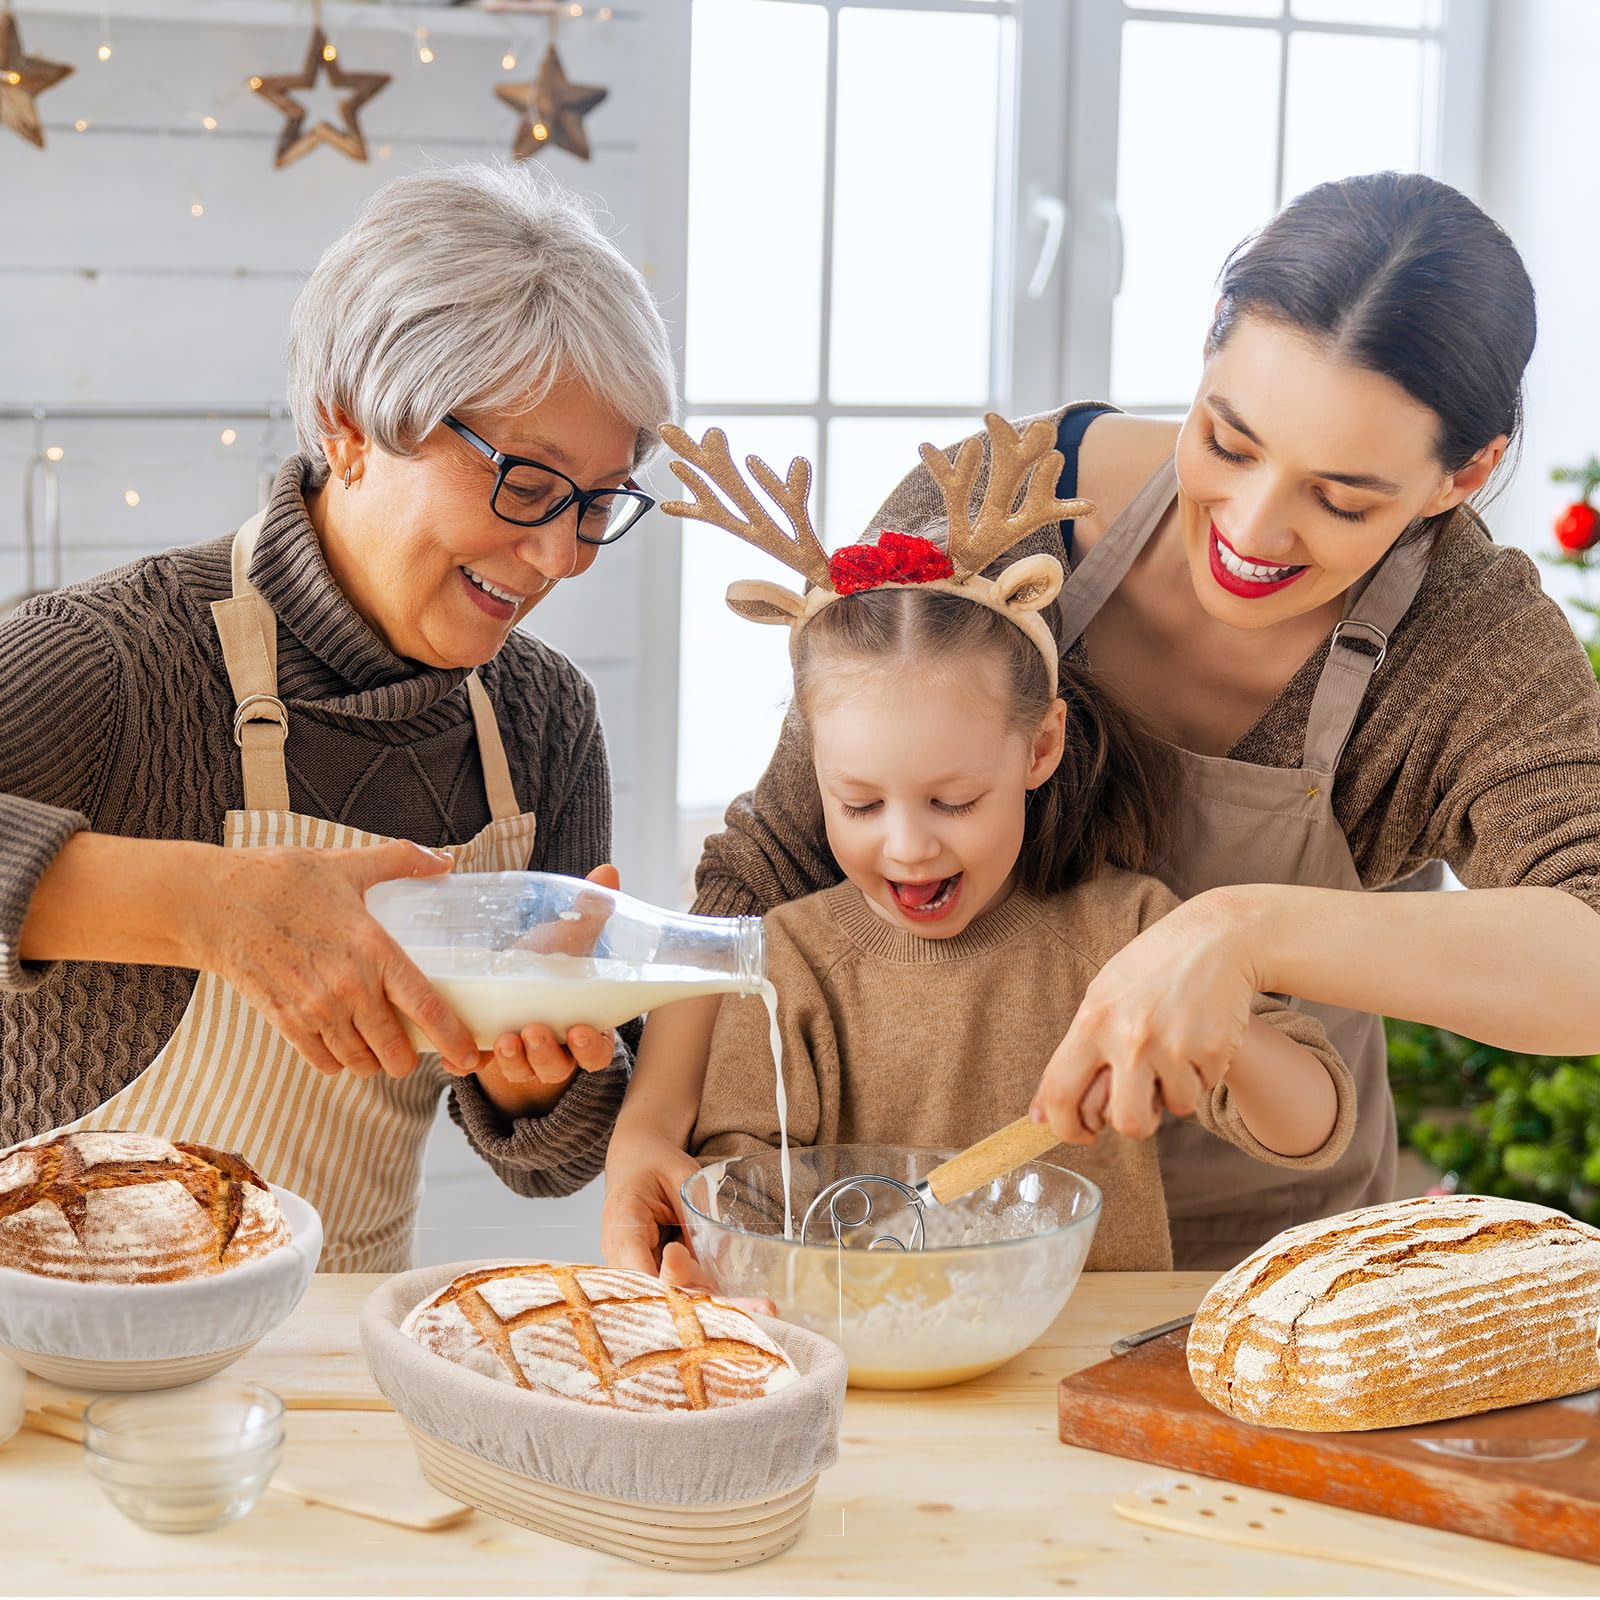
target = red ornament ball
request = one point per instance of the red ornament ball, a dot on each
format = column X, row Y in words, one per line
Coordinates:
column 1578, row 527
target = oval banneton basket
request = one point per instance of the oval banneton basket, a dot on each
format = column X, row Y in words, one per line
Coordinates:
column 131, row 1336
column 697, row 1491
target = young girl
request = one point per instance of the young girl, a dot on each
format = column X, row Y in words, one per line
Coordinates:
column 984, row 814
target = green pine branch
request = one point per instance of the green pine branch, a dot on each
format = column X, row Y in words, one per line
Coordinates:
column 1527, row 1127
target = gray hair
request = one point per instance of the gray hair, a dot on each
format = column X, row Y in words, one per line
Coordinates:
column 472, row 287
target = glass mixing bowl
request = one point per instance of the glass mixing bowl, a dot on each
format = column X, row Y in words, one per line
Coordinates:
column 997, row 1267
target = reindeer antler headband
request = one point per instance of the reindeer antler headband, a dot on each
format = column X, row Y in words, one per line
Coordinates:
column 1027, row 464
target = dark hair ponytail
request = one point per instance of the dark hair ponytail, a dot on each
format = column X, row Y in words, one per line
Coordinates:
column 1404, row 276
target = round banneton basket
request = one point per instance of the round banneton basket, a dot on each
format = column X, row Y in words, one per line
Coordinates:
column 697, row 1491
column 125, row 1336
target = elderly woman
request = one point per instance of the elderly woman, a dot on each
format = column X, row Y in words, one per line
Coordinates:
column 207, row 757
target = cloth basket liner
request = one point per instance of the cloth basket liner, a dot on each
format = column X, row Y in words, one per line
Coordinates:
column 729, row 1455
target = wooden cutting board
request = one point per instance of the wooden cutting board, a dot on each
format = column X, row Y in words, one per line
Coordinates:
column 1527, row 1476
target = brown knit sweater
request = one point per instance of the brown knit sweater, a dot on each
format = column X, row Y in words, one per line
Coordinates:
column 1478, row 743
column 889, row 1038
column 116, row 716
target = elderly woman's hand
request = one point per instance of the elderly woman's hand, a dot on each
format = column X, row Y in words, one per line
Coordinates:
column 1158, row 1027
column 527, row 1072
column 290, row 930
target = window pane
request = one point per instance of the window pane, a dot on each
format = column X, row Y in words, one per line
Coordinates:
column 734, row 677
column 1321, row 139
column 868, row 456
column 1382, row 13
column 1228, row 8
column 1184, row 200
column 754, row 301
column 913, row 256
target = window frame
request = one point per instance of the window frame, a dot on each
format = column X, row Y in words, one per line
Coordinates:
column 1070, row 157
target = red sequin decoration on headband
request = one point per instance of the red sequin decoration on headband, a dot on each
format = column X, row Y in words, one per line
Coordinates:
column 896, row 558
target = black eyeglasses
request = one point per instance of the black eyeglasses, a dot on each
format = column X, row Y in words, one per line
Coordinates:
column 529, row 494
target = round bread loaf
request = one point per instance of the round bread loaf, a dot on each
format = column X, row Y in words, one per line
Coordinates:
column 1408, row 1312
column 602, row 1336
column 128, row 1208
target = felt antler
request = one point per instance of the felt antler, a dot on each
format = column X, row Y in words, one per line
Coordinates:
column 1029, row 458
column 802, row 553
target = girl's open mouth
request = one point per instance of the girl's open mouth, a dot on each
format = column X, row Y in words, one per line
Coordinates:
column 929, row 900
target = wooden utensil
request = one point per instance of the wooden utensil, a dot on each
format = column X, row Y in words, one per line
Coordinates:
column 990, row 1158
column 1236, row 1515
column 1526, row 1475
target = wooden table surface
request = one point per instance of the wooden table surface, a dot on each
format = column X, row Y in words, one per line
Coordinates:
column 952, row 1491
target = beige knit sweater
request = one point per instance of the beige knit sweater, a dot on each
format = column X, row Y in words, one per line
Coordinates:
column 1478, row 742
column 889, row 1038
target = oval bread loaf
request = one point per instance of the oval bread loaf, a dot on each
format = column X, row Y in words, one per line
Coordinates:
column 1403, row 1313
column 602, row 1336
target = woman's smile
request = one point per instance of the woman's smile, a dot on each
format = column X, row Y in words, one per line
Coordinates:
column 491, row 598
column 1248, row 579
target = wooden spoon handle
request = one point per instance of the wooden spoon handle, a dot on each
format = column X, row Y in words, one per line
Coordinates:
column 990, row 1158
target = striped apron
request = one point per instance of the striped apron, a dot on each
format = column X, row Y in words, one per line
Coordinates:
column 226, row 1078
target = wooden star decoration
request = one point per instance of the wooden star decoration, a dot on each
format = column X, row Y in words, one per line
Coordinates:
column 295, row 141
column 22, row 79
column 553, row 108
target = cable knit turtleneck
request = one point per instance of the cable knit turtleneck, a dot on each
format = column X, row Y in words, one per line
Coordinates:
column 116, row 715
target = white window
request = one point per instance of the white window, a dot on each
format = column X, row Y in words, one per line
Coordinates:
column 903, row 213
column 849, row 178
column 1224, row 110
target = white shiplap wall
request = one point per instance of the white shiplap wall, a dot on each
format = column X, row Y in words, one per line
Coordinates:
column 112, row 294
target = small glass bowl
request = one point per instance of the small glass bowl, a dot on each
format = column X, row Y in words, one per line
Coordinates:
column 185, row 1460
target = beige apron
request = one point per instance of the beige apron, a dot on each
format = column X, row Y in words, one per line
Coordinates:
column 1242, row 823
column 351, row 1146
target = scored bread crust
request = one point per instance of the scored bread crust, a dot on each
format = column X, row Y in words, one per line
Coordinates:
column 1409, row 1312
column 129, row 1208
column 602, row 1336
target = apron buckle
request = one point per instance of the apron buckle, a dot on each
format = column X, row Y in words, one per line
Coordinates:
column 259, row 708
column 1375, row 636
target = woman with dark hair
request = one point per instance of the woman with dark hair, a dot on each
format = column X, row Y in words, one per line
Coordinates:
column 1290, row 589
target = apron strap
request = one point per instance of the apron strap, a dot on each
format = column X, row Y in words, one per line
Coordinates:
column 1106, row 565
column 1356, row 651
column 248, row 631
column 492, row 753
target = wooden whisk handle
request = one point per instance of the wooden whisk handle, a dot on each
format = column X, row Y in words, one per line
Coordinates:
column 990, row 1158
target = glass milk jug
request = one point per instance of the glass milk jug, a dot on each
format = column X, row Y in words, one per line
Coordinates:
column 508, row 948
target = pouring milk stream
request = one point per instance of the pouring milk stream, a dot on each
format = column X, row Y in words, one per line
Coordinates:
column 508, row 948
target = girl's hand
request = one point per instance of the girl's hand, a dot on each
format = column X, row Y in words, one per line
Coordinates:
column 1164, row 1017
column 528, row 1071
column 289, row 929
column 644, row 1178
column 682, row 1271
